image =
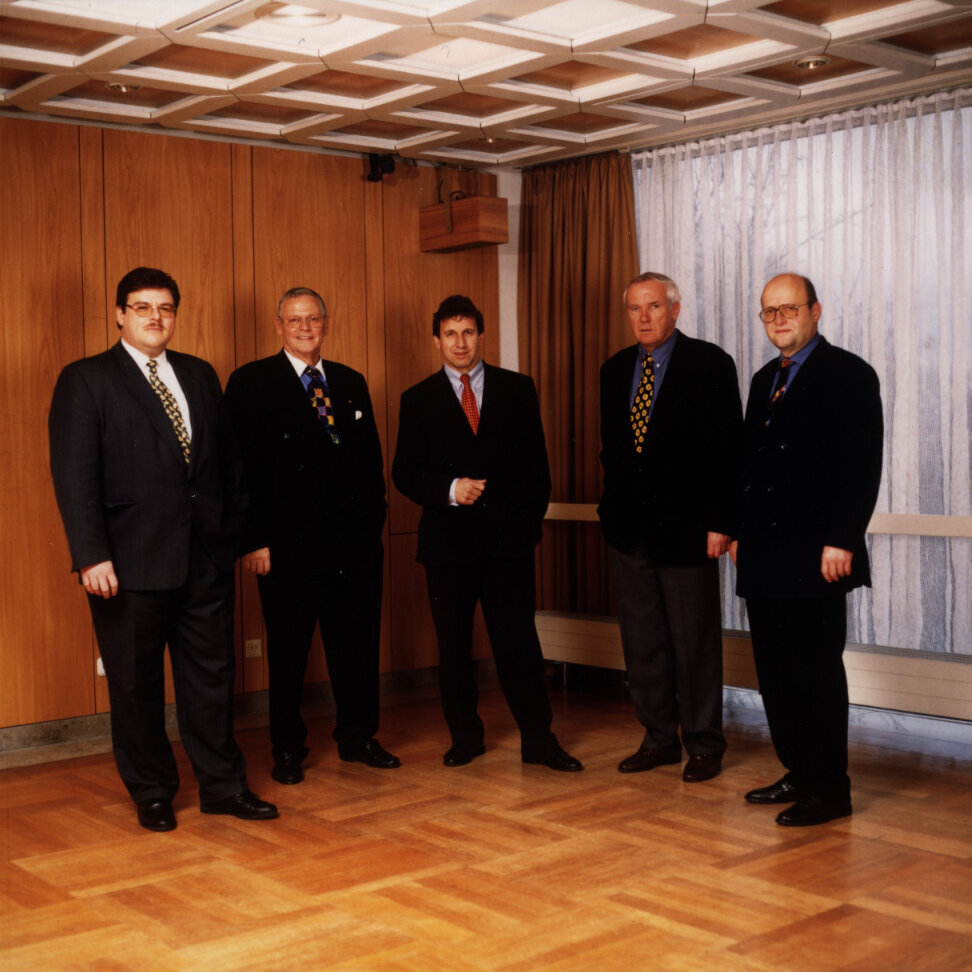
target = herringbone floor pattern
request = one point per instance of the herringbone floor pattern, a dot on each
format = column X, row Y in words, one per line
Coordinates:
column 496, row 865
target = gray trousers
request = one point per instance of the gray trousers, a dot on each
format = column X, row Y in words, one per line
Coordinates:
column 671, row 631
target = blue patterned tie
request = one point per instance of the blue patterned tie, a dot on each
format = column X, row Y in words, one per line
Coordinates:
column 320, row 399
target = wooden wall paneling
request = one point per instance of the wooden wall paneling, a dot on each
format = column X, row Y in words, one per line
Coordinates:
column 309, row 229
column 374, row 239
column 99, row 329
column 45, row 631
column 251, row 673
column 170, row 206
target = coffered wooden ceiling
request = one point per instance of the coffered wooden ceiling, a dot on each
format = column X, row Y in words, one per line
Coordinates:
column 473, row 82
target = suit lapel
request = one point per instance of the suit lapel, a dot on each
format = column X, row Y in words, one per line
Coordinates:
column 149, row 402
column 195, row 398
column 678, row 375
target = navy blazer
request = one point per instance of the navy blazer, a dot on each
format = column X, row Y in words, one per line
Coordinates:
column 437, row 445
column 123, row 487
column 310, row 500
column 683, row 483
column 810, row 478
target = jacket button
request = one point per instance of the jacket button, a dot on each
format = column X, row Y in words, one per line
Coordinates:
column 286, row 435
column 192, row 494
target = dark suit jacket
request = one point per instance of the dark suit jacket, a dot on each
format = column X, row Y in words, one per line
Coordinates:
column 436, row 445
column 811, row 478
column 309, row 498
column 122, row 485
column 683, row 483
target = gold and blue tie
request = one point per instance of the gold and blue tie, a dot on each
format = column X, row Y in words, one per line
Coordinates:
column 320, row 399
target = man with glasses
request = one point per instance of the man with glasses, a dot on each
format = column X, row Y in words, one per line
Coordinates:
column 812, row 467
column 313, row 532
column 150, row 487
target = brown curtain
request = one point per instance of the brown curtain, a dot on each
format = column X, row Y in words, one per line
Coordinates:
column 578, row 250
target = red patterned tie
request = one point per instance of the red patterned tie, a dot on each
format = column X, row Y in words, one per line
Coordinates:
column 469, row 404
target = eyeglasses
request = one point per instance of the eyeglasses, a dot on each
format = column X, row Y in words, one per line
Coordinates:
column 146, row 310
column 313, row 320
column 768, row 314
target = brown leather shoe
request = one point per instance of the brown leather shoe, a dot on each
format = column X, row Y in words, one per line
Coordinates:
column 648, row 759
column 705, row 766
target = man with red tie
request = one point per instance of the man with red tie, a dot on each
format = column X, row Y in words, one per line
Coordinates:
column 471, row 452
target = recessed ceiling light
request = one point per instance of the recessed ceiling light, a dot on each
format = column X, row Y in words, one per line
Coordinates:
column 122, row 87
column 813, row 62
column 295, row 15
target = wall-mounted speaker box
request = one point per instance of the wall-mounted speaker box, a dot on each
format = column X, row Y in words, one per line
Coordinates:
column 459, row 224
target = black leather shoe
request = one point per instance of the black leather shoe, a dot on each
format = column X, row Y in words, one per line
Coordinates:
column 648, row 759
column 286, row 766
column 813, row 810
column 459, row 755
column 156, row 815
column 371, row 753
column 553, row 757
column 782, row 791
column 698, row 769
column 245, row 805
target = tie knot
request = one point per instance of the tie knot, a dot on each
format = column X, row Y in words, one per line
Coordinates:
column 465, row 380
column 312, row 372
column 152, row 365
column 786, row 362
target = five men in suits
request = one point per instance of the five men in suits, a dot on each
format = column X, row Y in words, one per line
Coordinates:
column 313, row 530
column 671, row 422
column 471, row 452
column 150, row 488
column 812, row 468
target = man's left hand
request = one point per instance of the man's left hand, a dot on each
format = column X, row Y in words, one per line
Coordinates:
column 717, row 544
column 835, row 563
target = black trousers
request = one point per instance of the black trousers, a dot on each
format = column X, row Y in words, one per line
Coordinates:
column 798, row 644
column 196, row 621
column 671, row 633
column 346, row 602
column 506, row 590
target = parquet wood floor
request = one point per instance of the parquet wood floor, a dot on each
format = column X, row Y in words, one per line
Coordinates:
column 495, row 865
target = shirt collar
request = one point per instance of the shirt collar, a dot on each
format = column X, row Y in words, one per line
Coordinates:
column 142, row 359
column 456, row 376
column 662, row 353
column 800, row 356
column 301, row 366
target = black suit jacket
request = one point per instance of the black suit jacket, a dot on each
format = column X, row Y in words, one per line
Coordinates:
column 810, row 478
column 309, row 498
column 436, row 445
column 123, row 488
column 683, row 483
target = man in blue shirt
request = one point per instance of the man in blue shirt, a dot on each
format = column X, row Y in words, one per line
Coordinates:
column 671, row 420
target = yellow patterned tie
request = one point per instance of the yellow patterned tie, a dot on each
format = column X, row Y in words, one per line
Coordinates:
column 171, row 407
column 642, row 402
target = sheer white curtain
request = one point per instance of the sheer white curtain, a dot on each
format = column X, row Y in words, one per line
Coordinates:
column 874, row 206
